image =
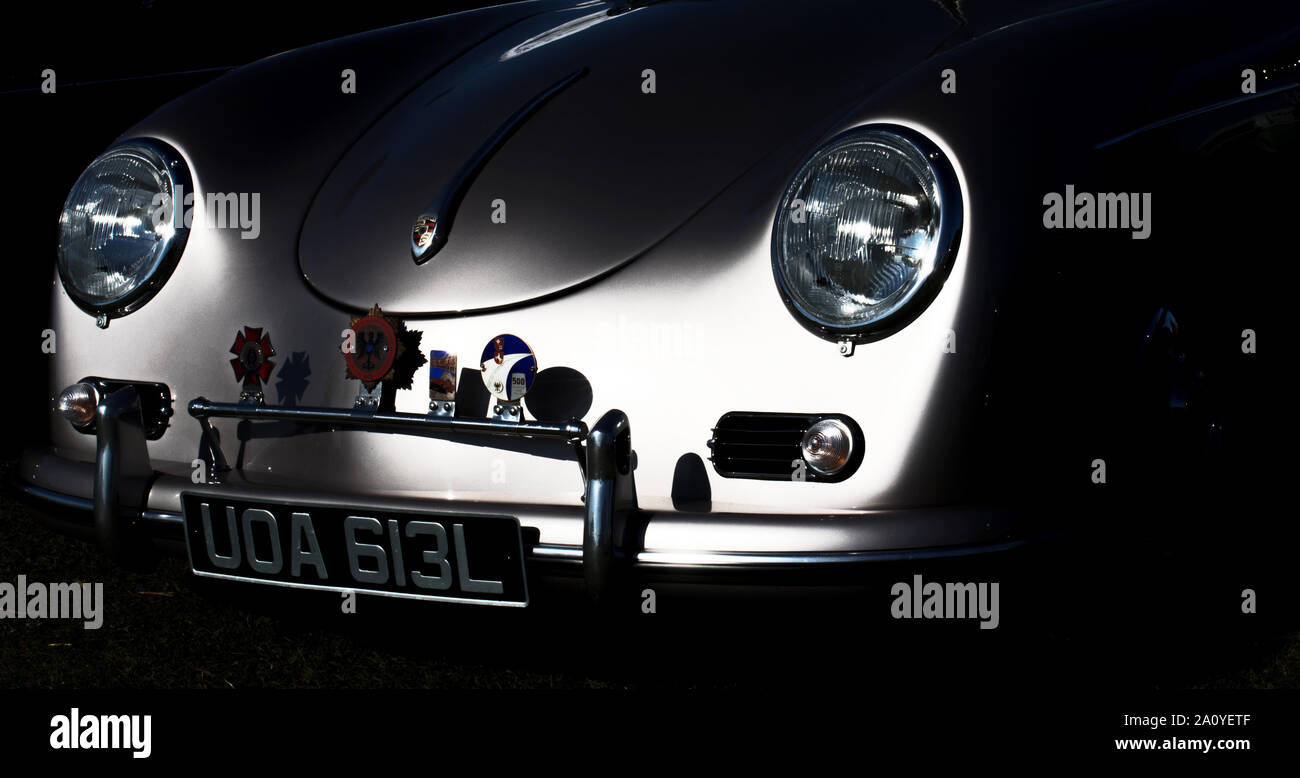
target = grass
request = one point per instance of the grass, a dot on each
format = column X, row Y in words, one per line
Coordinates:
column 163, row 630
column 166, row 629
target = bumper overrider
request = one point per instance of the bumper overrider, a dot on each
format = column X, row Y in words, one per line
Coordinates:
column 128, row 414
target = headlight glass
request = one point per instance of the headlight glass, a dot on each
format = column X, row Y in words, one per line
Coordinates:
column 867, row 223
column 117, row 232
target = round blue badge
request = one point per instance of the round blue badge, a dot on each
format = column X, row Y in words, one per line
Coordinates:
column 509, row 367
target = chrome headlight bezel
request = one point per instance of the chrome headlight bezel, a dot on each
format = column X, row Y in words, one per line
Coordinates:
column 947, row 237
column 170, row 166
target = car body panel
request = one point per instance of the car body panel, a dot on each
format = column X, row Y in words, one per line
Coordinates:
column 604, row 170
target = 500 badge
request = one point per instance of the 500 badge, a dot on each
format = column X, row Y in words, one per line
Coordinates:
column 394, row 553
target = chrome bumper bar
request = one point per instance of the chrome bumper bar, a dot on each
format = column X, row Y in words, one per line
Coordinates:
column 573, row 431
column 613, row 529
column 173, row 523
column 123, row 472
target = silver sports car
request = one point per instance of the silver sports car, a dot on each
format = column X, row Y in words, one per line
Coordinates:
column 684, row 289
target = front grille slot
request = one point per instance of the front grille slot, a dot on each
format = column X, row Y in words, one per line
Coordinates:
column 758, row 445
column 767, row 446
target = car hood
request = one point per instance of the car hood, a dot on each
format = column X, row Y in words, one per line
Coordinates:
column 591, row 166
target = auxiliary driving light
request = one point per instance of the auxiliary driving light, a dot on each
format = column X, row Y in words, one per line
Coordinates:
column 77, row 404
column 827, row 446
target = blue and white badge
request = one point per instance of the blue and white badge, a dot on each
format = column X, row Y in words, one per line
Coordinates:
column 509, row 368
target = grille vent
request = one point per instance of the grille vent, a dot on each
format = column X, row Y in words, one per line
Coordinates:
column 766, row 445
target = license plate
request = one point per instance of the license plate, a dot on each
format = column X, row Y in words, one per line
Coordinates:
column 426, row 556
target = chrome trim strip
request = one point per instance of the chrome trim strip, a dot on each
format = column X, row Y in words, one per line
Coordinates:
column 663, row 559
column 741, row 559
column 443, row 210
column 58, row 498
column 165, row 518
column 1194, row 112
column 572, row 431
column 397, row 595
column 565, row 553
column 737, row 559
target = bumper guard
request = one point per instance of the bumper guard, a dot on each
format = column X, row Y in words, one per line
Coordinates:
column 604, row 455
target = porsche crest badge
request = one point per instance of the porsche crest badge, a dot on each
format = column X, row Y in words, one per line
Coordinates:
column 422, row 234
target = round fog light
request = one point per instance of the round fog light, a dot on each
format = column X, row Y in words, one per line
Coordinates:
column 77, row 403
column 827, row 446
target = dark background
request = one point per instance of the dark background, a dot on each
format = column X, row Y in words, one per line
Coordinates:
column 116, row 63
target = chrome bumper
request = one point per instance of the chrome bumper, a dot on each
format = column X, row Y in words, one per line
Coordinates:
column 613, row 526
column 123, row 472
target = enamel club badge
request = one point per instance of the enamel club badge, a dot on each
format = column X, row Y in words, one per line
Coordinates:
column 377, row 346
column 509, row 368
column 442, row 376
column 252, row 361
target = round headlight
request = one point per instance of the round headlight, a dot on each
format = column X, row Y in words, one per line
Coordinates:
column 867, row 231
column 119, row 235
